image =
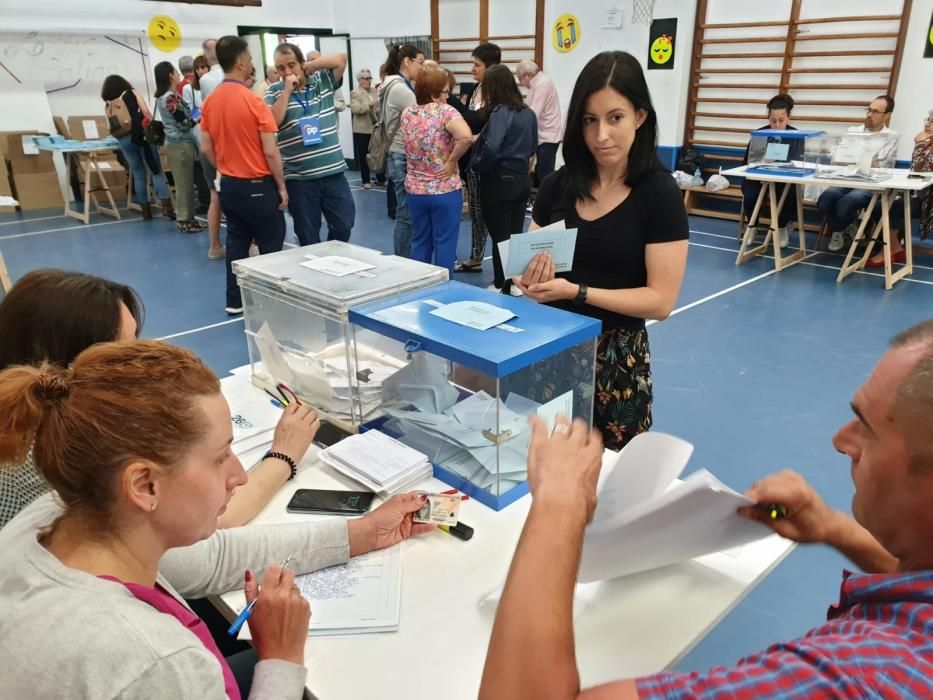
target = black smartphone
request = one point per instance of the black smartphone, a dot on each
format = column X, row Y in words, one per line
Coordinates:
column 333, row 502
column 329, row 434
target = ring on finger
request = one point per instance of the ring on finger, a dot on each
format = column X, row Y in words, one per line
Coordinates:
column 560, row 428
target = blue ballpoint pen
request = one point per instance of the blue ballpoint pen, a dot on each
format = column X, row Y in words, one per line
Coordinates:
column 248, row 610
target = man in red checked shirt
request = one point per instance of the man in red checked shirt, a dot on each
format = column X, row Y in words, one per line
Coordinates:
column 877, row 641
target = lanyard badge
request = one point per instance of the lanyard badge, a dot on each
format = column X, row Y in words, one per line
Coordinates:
column 308, row 125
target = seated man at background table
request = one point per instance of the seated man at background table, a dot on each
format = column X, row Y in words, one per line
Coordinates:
column 841, row 205
column 877, row 640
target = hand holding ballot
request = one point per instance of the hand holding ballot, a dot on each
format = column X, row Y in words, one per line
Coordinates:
column 563, row 466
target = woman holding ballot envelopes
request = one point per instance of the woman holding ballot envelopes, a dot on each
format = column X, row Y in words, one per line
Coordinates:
column 134, row 437
column 632, row 229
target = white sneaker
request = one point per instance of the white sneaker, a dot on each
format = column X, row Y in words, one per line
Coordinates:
column 253, row 250
column 233, row 310
column 515, row 291
column 837, row 242
column 750, row 233
column 492, row 288
column 783, row 238
column 367, row 186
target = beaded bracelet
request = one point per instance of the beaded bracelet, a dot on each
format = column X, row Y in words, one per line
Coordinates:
column 285, row 458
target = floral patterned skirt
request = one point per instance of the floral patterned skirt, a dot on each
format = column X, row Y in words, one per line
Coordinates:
column 622, row 404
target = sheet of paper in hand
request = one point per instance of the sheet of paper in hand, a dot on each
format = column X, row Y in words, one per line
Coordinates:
column 440, row 510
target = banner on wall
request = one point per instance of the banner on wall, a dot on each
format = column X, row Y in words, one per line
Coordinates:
column 661, row 42
column 928, row 46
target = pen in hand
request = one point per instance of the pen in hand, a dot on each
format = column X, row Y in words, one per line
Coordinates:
column 248, row 610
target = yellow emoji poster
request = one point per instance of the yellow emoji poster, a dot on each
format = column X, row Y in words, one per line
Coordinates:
column 164, row 33
column 565, row 34
column 661, row 43
column 928, row 49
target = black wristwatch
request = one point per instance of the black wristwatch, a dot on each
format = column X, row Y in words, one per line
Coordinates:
column 580, row 299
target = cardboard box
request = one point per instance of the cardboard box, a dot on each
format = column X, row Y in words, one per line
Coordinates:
column 88, row 128
column 37, row 190
column 114, row 175
column 61, row 127
column 22, row 153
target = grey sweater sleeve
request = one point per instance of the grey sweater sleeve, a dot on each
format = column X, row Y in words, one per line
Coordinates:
column 195, row 674
column 217, row 564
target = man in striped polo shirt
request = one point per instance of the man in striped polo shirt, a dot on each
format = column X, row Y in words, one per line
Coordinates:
column 302, row 104
column 877, row 641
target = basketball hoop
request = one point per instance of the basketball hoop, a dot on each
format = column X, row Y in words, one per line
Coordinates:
column 642, row 11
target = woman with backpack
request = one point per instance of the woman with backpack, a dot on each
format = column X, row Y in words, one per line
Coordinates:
column 179, row 143
column 126, row 111
column 398, row 92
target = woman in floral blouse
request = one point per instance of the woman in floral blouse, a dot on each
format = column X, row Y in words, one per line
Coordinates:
column 179, row 143
column 435, row 137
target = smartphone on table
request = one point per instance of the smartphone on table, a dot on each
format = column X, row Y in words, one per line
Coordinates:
column 329, row 434
column 330, row 502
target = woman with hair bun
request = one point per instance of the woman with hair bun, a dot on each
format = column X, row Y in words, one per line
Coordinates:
column 135, row 440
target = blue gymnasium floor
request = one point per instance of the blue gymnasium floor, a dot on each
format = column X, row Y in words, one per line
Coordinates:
column 755, row 368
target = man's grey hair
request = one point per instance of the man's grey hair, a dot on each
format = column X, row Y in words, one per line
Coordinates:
column 913, row 403
column 526, row 67
column 186, row 64
column 363, row 73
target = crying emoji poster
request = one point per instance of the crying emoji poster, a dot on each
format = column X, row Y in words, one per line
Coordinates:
column 565, row 35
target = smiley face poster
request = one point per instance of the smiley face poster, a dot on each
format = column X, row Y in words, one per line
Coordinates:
column 928, row 49
column 661, row 43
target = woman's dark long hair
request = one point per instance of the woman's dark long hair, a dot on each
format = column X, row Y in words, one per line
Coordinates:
column 499, row 88
column 621, row 72
column 54, row 315
column 113, row 87
column 199, row 62
column 163, row 78
column 397, row 53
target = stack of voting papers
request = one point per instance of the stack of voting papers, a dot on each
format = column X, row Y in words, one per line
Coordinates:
column 647, row 518
column 254, row 417
column 379, row 462
column 359, row 597
column 321, row 378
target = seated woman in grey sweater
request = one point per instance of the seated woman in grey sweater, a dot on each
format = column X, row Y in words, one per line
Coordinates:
column 134, row 438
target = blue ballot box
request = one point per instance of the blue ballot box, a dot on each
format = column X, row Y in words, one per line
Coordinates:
column 295, row 305
column 477, row 365
column 785, row 152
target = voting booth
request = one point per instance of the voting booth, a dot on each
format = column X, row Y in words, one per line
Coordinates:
column 477, row 365
column 295, row 306
column 781, row 152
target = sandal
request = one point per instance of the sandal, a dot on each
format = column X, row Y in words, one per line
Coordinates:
column 189, row 227
column 463, row 267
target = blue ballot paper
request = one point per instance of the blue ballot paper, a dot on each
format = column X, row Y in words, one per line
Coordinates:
column 522, row 247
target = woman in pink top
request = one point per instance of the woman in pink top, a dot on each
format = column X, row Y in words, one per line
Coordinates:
column 435, row 137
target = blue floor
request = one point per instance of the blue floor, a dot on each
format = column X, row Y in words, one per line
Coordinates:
column 757, row 373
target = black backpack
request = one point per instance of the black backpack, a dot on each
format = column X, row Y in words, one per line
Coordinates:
column 690, row 160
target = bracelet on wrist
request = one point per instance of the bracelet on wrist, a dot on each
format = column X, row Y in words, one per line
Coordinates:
column 271, row 454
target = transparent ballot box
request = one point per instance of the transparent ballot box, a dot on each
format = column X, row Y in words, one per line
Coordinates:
column 464, row 396
column 296, row 304
column 781, row 152
column 858, row 155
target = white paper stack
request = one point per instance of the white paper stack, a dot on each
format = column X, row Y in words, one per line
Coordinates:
column 379, row 462
column 254, row 416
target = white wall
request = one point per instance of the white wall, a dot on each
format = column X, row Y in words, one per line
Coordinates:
column 914, row 98
column 53, row 43
column 668, row 87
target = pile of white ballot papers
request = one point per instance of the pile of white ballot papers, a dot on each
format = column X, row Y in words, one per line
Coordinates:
column 379, row 462
column 254, row 416
column 647, row 518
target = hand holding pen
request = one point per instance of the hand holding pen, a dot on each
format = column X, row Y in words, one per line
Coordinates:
column 278, row 615
column 791, row 507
